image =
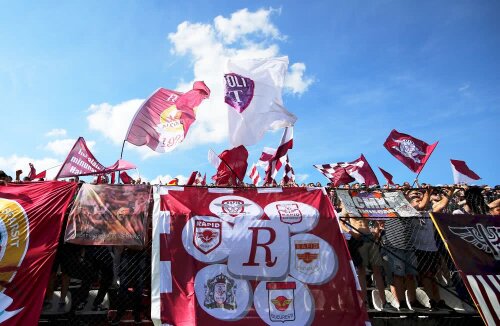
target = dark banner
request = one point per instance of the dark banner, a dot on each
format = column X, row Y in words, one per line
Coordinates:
column 473, row 242
column 31, row 216
column 109, row 215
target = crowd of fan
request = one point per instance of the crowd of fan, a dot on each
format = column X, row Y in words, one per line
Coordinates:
column 401, row 254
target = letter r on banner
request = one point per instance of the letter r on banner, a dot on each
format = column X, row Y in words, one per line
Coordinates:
column 260, row 249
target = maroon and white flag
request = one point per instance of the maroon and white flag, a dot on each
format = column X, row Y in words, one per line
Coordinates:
column 31, row 218
column 277, row 160
column 342, row 173
column 163, row 120
column 387, row 176
column 462, row 173
column 80, row 161
column 233, row 166
column 250, row 256
column 254, row 175
column 195, row 179
column 335, row 172
column 288, row 173
column 411, row 151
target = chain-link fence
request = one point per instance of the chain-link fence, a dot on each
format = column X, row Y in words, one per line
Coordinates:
column 402, row 265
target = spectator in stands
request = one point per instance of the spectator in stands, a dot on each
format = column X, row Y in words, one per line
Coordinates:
column 364, row 249
column 132, row 275
column 399, row 252
column 426, row 250
column 3, row 178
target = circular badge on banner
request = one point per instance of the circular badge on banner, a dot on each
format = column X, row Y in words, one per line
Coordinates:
column 220, row 295
column 312, row 259
column 300, row 217
column 233, row 208
column 285, row 301
column 206, row 238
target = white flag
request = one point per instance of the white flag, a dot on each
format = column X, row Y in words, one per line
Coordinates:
column 214, row 159
column 253, row 96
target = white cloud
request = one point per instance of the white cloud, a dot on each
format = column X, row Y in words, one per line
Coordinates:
column 12, row 163
column 112, row 120
column 243, row 22
column 295, row 80
column 56, row 133
column 209, row 45
column 61, row 147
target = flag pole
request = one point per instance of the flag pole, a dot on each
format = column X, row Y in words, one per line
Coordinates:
column 416, row 178
column 123, row 146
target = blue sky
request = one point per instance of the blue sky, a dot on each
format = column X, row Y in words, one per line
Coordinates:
column 358, row 70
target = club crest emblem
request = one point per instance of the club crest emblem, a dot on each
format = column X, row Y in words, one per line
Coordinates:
column 484, row 238
column 281, row 297
column 289, row 213
column 307, row 258
column 207, row 235
column 220, row 292
column 233, row 207
column 239, row 91
column 14, row 242
column 407, row 148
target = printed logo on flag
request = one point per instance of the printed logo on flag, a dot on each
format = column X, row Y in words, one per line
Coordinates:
column 408, row 149
column 313, row 260
column 484, row 238
column 239, row 91
column 289, row 213
column 230, row 208
column 14, row 240
column 281, row 301
column 299, row 217
column 170, row 129
column 233, row 207
column 207, row 235
column 220, row 295
column 220, row 292
column 205, row 238
column 307, row 258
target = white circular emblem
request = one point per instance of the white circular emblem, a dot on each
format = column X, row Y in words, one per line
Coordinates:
column 220, row 295
column 298, row 216
column 312, row 259
column 206, row 238
column 233, row 208
column 287, row 301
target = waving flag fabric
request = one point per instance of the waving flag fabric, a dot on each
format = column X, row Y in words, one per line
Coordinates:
column 195, row 179
column 336, row 173
column 233, row 166
column 411, row 151
column 288, row 173
column 254, row 175
column 346, row 172
column 31, row 218
column 279, row 157
column 163, row 120
column 80, row 161
column 387, row 176
column 462, row 173
column 125, row 178
column 250, row 256
column 253, row 96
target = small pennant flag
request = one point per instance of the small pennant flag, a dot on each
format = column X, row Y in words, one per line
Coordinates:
column 387, row 176
column 462, row 173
